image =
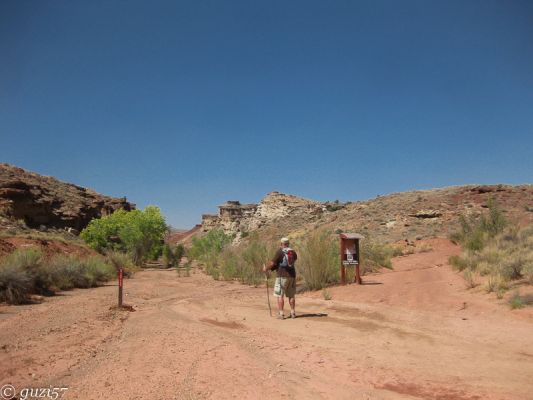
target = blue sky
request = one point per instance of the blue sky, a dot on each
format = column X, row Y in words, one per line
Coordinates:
column 186, row 104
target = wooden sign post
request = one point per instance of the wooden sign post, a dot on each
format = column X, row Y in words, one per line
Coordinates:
column 349, row 248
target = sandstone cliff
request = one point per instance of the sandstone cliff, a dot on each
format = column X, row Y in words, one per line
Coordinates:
column 42, row 201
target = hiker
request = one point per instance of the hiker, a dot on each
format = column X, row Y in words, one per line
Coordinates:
column 283, row 263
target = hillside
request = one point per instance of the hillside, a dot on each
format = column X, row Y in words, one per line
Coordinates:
column 43, row 212
column 400, row 216
column 45, row 202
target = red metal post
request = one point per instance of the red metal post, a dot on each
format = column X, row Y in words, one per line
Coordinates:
column 120, row 285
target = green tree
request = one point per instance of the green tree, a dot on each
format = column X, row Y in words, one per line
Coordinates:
column 139, row 233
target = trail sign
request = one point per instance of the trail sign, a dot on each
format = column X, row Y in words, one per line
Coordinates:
column 349, row 249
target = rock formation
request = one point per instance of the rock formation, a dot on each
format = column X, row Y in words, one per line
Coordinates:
column 236, row 218
column 42, row 201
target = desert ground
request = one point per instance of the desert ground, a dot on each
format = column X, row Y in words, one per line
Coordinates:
column 414, row 332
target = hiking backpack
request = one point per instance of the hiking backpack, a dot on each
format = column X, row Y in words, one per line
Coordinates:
column 288, row 257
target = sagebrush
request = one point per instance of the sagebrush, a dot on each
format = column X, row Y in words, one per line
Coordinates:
column 27, row 271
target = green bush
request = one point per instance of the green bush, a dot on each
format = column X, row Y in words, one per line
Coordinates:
column 140, row 233
column 211, row 244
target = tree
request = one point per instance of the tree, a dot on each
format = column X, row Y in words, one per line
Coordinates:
column 137, row 232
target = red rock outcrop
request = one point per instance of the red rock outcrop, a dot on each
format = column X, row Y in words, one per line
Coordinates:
column 45, row 201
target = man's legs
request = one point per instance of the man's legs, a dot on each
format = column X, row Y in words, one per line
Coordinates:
column 281, row 304
column 292, row 302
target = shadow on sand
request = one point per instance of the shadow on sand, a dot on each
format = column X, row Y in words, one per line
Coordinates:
column 311, row 315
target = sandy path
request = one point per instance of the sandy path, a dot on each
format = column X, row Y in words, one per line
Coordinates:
column 195, row 338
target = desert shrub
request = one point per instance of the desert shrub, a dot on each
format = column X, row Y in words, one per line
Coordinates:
column 508, row 254
column 57, row 273
column 334, row 207
column 318, row 260
column 229, row 264
column 77, row 272
column 119, row 260
column 188, row 268
column 167, row 255
column 474, row 234
column 503, row 253
column 15, row 284
column 100, row 270
column 173, row 255
column 178, row 253
column 27, row 259
column 31, row 261
column 26, row 272
column 470, row 278
column 425, row 248
column 140, row 233
column 243, row 262
column 458, row 262
column 207, row 250
column 375, row 256
column 496, row 283
column 254, row 254
column 516, row 301
column 67, row 272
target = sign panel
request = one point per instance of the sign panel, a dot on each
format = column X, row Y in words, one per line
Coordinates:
column 349, row 262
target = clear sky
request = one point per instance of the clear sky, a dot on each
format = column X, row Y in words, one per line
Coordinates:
column 186, row 104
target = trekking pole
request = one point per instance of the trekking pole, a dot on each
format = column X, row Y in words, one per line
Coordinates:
column 268, row 294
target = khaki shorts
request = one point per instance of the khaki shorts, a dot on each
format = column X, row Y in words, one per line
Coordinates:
column 285, row 287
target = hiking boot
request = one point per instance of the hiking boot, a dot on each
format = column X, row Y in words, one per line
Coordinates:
column 281, row 316
column 293, row 314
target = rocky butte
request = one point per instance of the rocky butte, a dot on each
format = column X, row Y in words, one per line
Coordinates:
column 236, row 218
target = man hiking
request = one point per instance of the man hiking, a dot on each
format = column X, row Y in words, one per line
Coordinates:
column 283, row 263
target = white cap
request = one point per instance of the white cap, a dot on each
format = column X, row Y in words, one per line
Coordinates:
column 284, row 240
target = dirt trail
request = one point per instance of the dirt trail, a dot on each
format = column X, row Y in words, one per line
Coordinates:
column 195, row 338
